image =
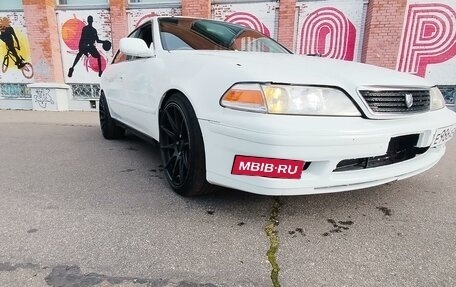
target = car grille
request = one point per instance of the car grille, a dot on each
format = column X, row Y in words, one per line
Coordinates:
column 399, row 149
column 395, row 101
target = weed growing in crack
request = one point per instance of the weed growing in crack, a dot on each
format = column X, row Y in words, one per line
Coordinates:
column 271, row 232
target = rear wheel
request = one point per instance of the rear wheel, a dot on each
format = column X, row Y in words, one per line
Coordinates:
column 108, row 127
column 182, row 148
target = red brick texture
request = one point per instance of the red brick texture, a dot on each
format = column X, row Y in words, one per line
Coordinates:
column 385, row 19
column 196, row 8
column 287, row 19
column 119, row 21
column 43, row 36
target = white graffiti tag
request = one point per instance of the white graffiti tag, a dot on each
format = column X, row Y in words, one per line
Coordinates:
column 43, row 97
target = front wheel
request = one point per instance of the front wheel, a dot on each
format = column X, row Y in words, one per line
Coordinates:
column 182, row 148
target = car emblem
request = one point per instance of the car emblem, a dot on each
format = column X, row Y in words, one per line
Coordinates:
column 409, row 100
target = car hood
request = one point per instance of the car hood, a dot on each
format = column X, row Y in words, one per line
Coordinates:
column 300, row 69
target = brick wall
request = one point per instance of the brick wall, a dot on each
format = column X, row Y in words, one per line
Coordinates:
column 119, row 23
column 43, row 34
column 196, row 8
column 287, row 15
column 385, row 19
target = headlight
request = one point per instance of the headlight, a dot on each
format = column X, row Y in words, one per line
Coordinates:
column 437, row 100
column 291, row 100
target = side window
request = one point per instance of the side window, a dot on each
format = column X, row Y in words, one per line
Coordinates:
column 144, row 32
column 119, row 57
column 173, row 42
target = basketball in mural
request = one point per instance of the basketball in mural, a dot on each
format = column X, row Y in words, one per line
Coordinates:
column 248, row 20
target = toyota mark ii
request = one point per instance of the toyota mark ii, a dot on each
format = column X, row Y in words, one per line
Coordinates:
column 231, row 107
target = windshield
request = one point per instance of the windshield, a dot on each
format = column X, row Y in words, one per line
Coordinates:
column 198, row 34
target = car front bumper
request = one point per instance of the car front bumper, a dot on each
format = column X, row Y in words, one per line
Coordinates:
column 323, row 141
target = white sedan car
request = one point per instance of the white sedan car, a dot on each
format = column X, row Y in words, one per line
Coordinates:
column 232, row 107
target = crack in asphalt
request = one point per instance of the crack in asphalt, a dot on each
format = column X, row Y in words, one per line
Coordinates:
column 271, row 233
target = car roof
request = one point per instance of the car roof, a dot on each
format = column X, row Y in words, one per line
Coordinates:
column 193, row 18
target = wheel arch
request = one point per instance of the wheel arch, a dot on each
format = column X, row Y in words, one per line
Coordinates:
column 168, row 94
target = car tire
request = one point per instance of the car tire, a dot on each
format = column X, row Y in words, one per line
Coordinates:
column 109, row 128
column 182, row 148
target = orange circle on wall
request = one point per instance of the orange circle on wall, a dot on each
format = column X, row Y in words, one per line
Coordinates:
column 71, row 33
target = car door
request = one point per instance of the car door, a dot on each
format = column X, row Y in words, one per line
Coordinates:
column 140, row 82
column 114, row 85
column 135, row 76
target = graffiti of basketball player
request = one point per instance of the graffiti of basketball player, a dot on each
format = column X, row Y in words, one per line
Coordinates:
column 89, row 36
column 9, row 36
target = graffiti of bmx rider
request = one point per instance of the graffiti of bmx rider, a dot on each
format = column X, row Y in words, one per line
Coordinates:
column 8, row 36
column 87, row 46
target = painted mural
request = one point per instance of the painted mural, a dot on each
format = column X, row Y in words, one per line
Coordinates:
column 330, row 29
column 428, row 44
column 136, row 17
column 14, row 49
column 259, row 16
column 85, row 41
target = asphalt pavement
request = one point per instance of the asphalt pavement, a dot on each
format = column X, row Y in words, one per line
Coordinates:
column 78, row 210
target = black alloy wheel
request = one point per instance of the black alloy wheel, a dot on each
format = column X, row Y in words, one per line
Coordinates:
column 182, row 147
column 108, row 127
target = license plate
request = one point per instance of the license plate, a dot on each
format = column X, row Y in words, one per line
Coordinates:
column 443, row 135
column 267, row 167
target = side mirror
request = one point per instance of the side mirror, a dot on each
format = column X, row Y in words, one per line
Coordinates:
column 135, row 47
